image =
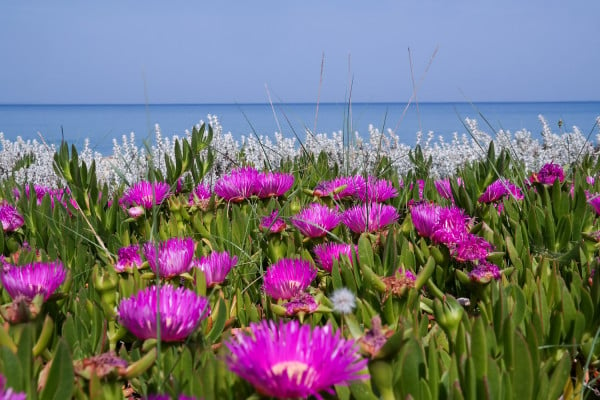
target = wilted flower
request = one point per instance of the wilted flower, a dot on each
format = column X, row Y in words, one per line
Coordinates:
column 200, row 196
column 290, row 360
column 215, row 266
column 128, row 258
column 498, row 189
column 316, row 220
column 341, row 187
column 302, row 303
column 143, row 196
column 370, row 217
column 397, row 284
column 180, row 310
column 29, row 280
column 273, row 223
column 484, row 272
column 377, row 190
column 344, row 301
column 10, row 217
column 239, row 185
column 326, row 253
column 288, row 277
column 8, row 393
column 273, row 184
column 174, row 256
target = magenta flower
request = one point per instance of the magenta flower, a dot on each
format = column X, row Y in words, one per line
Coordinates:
column 444, row 188
column 10, row 217
column 128, row 258
column 371, row 217
column 215, row 266
column 498, row 189
column 594, row 201
column 174, row 256
column 273, row 223
column 290, row 360
column 548, row 174
column 288, row 278
column 316, row 220
column 377, row 190
column 143, row 196
column 425, row 218
column 484, row 272
column 452, row 225
column 200, row 196
column 32, row 279
column 273, row 184
column 470, row 248
column 341, row 187
column 238, row 185
column 326, row 253
column 181, row 310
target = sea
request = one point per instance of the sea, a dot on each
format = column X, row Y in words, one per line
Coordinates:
column 101, row 124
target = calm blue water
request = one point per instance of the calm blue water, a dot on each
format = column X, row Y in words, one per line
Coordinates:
column 102, row 123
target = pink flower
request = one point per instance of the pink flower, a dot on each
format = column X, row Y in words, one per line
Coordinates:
column 548, row 174
column 181, row 310
column 594, row 201
column 470, row 248
column 200, row 196
column 273, row 223
column 128, row 258
column 484, row 272
column 143, row 196
column 425, row 218
column 371, row 217
column 239, row 185
column 316, row 220
column 341, row 187
column 289, row 360
column 498, row 189
column 288, row 278
column 302, row 303
column 273, row 184
column 171, row 257
column 10, row 217
column 326, row 253
column 32, row 279
column 377, row 190
column 215, row 266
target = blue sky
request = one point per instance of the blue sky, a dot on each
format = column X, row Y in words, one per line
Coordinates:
column 231, row 51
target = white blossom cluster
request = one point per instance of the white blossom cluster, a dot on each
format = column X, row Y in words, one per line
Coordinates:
column 352, row 152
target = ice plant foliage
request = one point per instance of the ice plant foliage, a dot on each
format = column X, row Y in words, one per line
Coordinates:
column 288, row 278
column 369, row 217
column 290, row 360
column 171, row 257
column 10, row 217
column 326, row 253
column 181, row 310
column 29, row 280
column 215, row 266
column 143, row 196
column 316, row 220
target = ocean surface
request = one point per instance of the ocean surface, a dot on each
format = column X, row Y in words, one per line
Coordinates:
column 103, row 123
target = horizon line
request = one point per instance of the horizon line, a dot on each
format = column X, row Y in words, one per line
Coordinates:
column 298, row 103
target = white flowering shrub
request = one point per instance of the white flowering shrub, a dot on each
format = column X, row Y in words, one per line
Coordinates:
column 31, row 161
